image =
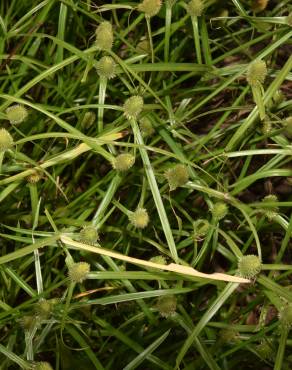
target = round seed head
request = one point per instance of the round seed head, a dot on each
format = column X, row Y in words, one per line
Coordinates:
column 44, row 308
column 104, row 36
column 265, row 350
column 195, row 8
column 28, row 322
column 88, row 235
column 143, row 47
column 34, row 177
column 16, row 113
column 288, row 127
column 289, row 19
column 257, row 72
column 146, row 127
column 133, row 106
column 219, row 210
column 201, row 227
column 266, row 127
column 42, row 366
column 78, row 272
column 88, row 120
column 161, row 260
column 166, row 305
column 6, row 140
column 123, row 162
column 139, row 218
column 285, row 316
column 150, row 7
column 228, row 335
column 106, row 67
column 177, row 176
column 249, row 266
column 270, row 212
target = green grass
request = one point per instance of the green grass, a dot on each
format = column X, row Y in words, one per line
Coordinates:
column 58, row 178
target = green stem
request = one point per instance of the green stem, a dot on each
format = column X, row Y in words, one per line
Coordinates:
column 101, row 100
column 197, row 39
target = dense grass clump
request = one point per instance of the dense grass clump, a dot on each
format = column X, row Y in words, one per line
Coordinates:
column 145, row 184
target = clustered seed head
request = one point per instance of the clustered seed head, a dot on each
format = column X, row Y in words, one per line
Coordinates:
column 266, row 126
column 228, row 335
column 195, row 8
column 285, row 316
column 88, row 120
column 219, row 210
column 161, row 260
column 6, row 140
column 28, row 322
column 270, row 212
column 44, row 308
column 78, row 271
column 288, row 127
column 265, row 350
column 143, row 47
column 139, row 218
column 249, row 266
column 150, row 7
column 289, row 19
column 123, row 162
column 201, row 227
column 259, row 5
column 106, row 67
column 34, row 177
column 16, row 113
column 257, row 72
column 177, row 176
column 166, row 305
column 42, row 366
column 133, row 106
column 146, row 127
column 89, row 235
column 104, row 36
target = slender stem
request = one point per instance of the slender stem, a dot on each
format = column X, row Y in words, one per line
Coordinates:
column 168, row 14
column 197, row 38
column 150, row 38
column 101, row 100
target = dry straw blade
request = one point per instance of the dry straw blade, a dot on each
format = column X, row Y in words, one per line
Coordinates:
column 173, row 267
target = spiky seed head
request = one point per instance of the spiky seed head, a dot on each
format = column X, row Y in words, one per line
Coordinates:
column 143, row 47
column 42, row 366
column 106, row 67
column 195, row 8
column 219, row 210
column 139, row 218
column 257, row 72
column 161, row 260
column 201, row 227
column 16, row 113
column 259, row 5
column 78, row 271
column 177, row 176
column 28, row 322
column 288, row 127
column 249, row 266
column 123, row 162
column 265, row 350
column 228, row 335
column 34, row 177
column 270, row 212
column 166, row 305
column 88, row 120
column 146, row 127
column 285, row 316
column 150, row 7
column 6, row 140
column 44, row 308
column 104, row 36
column 89, row 235
column 133, row 106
